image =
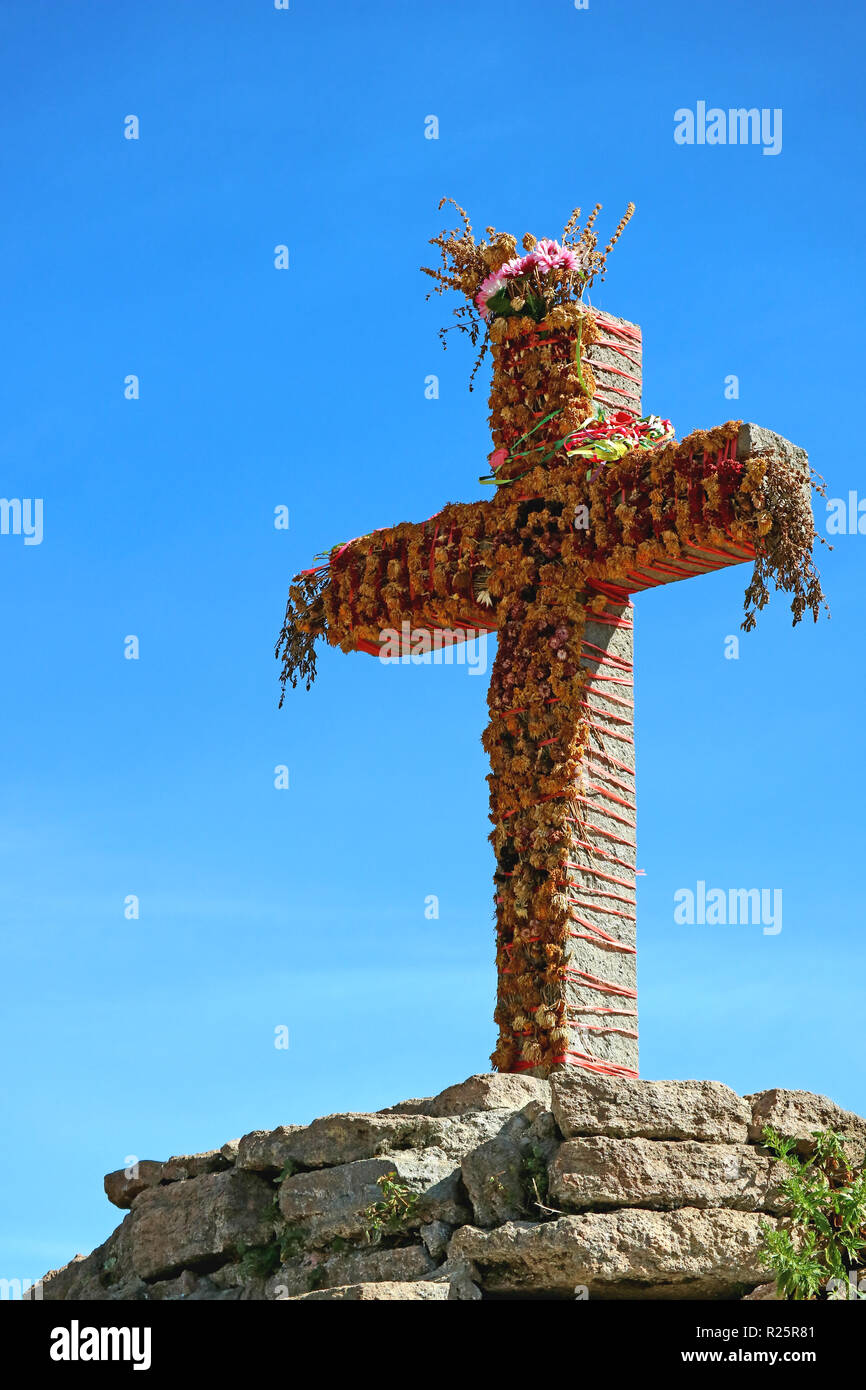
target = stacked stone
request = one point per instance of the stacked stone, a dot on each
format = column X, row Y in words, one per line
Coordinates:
column 510, row 1185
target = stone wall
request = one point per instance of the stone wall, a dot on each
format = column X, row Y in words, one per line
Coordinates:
column 506, row 1186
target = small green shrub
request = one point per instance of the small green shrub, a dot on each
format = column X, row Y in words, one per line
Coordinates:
column 395, row 1211
column 259, row 1261
column 291, row 1242
column 823, row 1240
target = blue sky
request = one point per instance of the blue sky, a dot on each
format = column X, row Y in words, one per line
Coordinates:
column 305, row 907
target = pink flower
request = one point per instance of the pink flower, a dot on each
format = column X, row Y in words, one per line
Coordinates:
column 546, row 256
column 488, row 289
column 551, row 256
column 518, row 266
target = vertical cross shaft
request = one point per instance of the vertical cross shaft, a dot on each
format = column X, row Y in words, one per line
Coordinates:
column 562, row 800
column 564, row 825
column 600, row 984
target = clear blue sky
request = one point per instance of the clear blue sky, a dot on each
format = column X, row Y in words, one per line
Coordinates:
column 154, row 777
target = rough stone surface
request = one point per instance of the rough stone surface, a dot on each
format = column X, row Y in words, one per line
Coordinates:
column 330, row 1203
column 105, row 1274
column 445, row 1201
column 799, row 1113
column 764, row 1293
column 620, row 1254
column 122, row 1190
column 382, row 1292
column 621, row 1109
column 188, row 1223
column 183, row 1166
column 265, row 1150
column 587, row 957
column 661, row 1173
column 491, row 1091
column 366, row 1266
column 507, row 1187
column 338, row 1139
column 436, row 1235
column 505, row 1177
column 755, row 439
column 195, row 1288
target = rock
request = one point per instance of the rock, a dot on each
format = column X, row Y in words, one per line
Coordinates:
column 183, row 1166
column 375, row 1264
column 363, row 1293
column 415, row 1106
column 325, row 1203
column 264, row 1150
column 230, row 1276
column 122, row 1190
column 622, row 1254
column 491, row 1091
column 333, row 1202
column 764, row 1293
column 658, row 1190
column 662, row 1173
column 587, row 1104
column 197, row 1287
column 485, row 1091
column 445, row 1201
column 460, row 1276
column 105, row 1275
column 436, row 1235
column 506, row 1177
column 797, row 1114
column 186, row 1223
column 340, row 1139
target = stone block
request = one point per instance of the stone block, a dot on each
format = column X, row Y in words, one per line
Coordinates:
column 186, row 1224
column 659, row 1173
column 586, row 1104
column 623, row 1254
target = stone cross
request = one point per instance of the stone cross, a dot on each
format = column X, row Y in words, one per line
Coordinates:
column 562, row 785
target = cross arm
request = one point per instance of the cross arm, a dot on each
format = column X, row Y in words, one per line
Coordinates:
column 725, row 496
column 721, row 497
column 429, row 574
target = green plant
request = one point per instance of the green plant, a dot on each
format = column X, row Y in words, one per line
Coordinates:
column 394, row 1212
column 259, row 1261
column 534, row 1176
column 288, row 1170
column 823, row 1240
column 291, row 1242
